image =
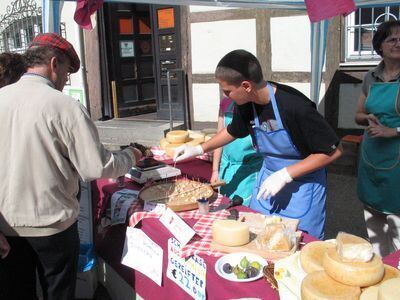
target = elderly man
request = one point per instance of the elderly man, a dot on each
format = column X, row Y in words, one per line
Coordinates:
column 47, row 143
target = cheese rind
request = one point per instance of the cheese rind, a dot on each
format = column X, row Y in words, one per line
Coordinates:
column 312, row 254
column 390, row 272
column 230, row 233
column 370, row 293
column 353, row 273
column 352, row 248
column 319, row 286
column 389, row 290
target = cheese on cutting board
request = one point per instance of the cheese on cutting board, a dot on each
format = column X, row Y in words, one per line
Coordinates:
column 389, row 290
column 312, row 254
column 177, row 136
column 370, row 293
column 353, row 273
column 230, row 233
column 319, row 286
column 353, row 248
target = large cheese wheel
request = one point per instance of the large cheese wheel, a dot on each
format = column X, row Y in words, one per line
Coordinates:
column 170, row 149
column 353, row 248
column 353, row 273
column 163, row 143
column 319, row 286
column 196, row 135
column 370, row 293
column 389, row 290
column 177, row 136
column 312, row 254
column 230, row 232
column 390, row 272
column 194, row 142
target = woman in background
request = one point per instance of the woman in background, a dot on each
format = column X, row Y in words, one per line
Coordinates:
column 237, row 163
column 12, row 67
column 379, row 167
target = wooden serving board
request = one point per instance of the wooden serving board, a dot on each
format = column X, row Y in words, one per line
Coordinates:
column 256, row 224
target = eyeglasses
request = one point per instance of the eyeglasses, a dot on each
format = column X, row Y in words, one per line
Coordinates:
column 392, row 41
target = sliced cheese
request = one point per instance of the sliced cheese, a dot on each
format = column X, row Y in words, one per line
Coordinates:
column 177, row 136
column 319, row 286
column 230, row 233
column 353, row 273
column 389, row 290
column 370, row 293
column 353, row 248
column 312, row 254
column 170, row 149
column 163, row 143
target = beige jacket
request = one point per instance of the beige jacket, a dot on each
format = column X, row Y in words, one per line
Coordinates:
column 47, row 142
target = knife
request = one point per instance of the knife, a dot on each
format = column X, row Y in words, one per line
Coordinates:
column 237, row 200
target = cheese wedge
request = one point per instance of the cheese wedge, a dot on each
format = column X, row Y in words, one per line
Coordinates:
column 170, row 149
column 177, row 136
column 230, row 233
column 370, row 293
column 163, row 143
column 353, row 273
column 312, row 254
column 319, row 286
column 353, row 248
column 389, row 290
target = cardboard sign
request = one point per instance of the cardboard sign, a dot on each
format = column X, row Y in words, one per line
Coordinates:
column 189, row 274
column 120, row 203
column 181, row 231
column 142, row 254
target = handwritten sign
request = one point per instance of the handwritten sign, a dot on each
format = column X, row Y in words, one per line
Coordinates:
column 181, row 231
column 189, row 274
column 120, row 203
column 142, row 254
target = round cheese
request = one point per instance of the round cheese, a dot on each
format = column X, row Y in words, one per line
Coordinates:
column 353, row 273
column 170, row 149
column 177, row 136
column 194, row 142
column 163, row 143
column 319, row 286
column 312, row 254
column 370, row 293
column 196, row 135
column 390, row 272
column 230, row 233
column 389, row 290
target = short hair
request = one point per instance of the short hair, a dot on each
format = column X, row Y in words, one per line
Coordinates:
column 41, row 55
column 12, row 67
column 384, row 30
column 237, row 66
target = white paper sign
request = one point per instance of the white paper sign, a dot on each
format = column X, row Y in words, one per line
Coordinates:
column 189, row 274
column 120, row 203
column 154, row 207
column 181, row 231
column 142, row 254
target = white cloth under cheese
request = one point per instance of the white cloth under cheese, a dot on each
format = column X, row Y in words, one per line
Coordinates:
column 353, row 248
column 230, row 233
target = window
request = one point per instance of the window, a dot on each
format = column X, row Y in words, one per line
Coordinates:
column 359, row 30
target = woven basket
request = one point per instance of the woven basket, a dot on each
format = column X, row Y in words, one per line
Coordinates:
column 268, row 272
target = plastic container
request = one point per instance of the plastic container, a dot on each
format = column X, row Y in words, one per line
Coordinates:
column 204, row 206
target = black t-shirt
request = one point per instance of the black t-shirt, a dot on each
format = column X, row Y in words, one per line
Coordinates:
column 308, row 130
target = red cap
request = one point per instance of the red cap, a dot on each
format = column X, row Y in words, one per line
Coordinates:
column 51, row 39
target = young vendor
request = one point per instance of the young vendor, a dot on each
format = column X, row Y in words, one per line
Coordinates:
column 295, row 140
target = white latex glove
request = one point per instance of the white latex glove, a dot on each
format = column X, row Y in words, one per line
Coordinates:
column 184, row 152
column 274, row 183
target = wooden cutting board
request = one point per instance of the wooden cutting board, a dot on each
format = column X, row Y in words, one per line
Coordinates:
column 256, row 224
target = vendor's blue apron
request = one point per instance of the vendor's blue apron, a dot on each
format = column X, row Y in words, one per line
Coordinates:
column 239, row 166
column 379, row 167
column 303, row 198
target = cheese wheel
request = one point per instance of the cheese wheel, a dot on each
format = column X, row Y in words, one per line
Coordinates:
column 390, row 272
column 312, row 254
column 230, row 233
column 170, row 149
column 389, row 290
column 319, row 286
column 353, row 273
column 177, row 136
column 194, row 142
column 370, row 293
column 196, row 135
column 353, row 248
column 163, row 143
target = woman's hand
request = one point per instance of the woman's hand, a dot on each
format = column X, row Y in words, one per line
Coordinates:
column 372, row 119
column 214, row 176
column 379, row 130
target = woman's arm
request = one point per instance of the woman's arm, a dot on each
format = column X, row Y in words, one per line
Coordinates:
column 362, row 117
column 217, row 152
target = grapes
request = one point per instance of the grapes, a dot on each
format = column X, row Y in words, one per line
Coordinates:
column 227, row 268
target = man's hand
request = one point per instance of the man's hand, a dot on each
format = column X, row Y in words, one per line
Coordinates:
column 4, row 246
column 274, row 183
column 184, row 152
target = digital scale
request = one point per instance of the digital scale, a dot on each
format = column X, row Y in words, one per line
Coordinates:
column 151, row 169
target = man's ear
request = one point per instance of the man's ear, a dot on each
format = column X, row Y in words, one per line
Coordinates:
column 54, row 63
column 246, row 85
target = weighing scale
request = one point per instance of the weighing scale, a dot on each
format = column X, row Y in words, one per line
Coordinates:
column 151, row 169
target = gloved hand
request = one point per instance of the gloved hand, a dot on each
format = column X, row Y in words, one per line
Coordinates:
column 274, row 183
column 184, row 152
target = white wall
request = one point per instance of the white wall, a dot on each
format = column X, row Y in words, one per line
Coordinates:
column 205, row 102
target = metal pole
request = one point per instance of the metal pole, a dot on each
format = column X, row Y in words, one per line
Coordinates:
column 171, row 125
